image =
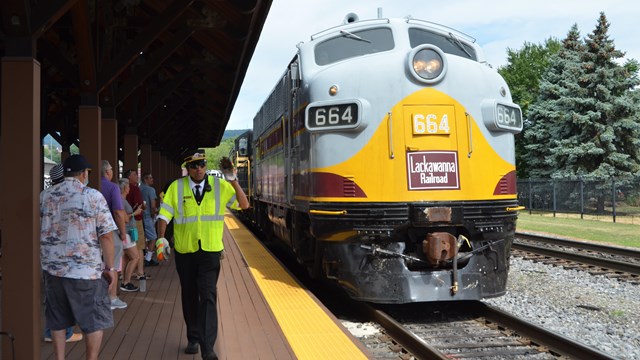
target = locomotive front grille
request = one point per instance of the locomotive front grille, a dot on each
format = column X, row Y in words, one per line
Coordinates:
column 363, row 211
column 382, row 217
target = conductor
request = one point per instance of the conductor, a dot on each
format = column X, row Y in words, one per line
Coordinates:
column 197, row 203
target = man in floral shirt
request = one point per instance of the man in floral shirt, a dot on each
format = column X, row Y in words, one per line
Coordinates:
column 75, row 235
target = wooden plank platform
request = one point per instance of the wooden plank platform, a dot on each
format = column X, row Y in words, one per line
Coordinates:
column 263, row 313
column 152, row 326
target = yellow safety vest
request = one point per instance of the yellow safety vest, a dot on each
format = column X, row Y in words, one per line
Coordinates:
column 198, row 226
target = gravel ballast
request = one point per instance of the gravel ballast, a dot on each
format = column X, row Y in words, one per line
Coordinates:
column 595, row 310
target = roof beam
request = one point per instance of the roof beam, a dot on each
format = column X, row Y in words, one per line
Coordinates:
column 169, row 115
column 158, row 57
column 61, row 63
column 16, row 17
column 168, row 89
column 158, row 25
column 48, row 13
column 82, row 35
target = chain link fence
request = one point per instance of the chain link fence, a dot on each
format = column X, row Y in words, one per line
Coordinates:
column 612, row 199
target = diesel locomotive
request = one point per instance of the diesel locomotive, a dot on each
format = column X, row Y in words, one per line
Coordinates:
column 384, row 158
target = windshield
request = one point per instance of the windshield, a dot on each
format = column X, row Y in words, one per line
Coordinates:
column 450, row 44
column 352, row 44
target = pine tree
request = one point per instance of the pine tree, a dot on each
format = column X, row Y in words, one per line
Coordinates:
column 550, row 116
column 609, row 141
column 586, row 120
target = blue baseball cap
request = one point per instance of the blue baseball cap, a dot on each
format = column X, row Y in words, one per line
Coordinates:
column 76, row 163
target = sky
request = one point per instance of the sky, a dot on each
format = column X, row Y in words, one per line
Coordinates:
column 497, row 25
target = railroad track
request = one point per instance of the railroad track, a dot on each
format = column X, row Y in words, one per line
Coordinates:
column 472, row 329
column 621, row 263
column 475, row 330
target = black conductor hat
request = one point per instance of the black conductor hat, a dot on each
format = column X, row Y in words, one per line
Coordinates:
column 195, row 155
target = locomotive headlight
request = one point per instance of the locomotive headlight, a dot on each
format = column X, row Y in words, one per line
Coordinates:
column 427, row 68
column 427, row 63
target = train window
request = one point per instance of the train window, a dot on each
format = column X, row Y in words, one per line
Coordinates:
column 242, row 146
column 353, row 44
column 450, row 44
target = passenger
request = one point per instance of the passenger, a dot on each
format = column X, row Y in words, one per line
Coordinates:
column 131, row 251
column 76, row 280
column 149, row 217
column 135, row 199
column 56, row 174
column 111, row 193
column 198, row 244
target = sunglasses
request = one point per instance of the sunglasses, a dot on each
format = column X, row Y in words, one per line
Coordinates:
column 197, row 164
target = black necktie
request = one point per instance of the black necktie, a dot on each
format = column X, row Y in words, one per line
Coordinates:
column 198, row 196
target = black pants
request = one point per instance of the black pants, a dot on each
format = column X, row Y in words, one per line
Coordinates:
column 198, row 274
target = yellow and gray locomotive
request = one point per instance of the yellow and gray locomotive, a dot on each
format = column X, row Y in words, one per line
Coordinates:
column 384, row 158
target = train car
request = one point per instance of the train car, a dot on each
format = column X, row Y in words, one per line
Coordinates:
column 240, row 156
column 384, row 158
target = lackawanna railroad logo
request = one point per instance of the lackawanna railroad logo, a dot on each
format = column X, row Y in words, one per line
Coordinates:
column 433, row 170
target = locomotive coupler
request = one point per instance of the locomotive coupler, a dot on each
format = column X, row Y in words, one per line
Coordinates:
column 439, row 247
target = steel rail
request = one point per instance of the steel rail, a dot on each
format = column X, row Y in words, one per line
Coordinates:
column 542, row 337
column 616, row 250
column 579, row 258
column 408, row 340
column 558, row 343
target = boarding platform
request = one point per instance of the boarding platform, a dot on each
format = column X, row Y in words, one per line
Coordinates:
column 263, row 313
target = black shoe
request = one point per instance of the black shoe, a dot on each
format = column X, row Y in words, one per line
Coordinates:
column 210, row 356
column 192, row 348
column 129, row 287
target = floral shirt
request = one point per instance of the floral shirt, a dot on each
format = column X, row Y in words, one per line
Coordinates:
column 72, row 218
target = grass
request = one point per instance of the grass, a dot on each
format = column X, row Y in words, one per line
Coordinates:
column 593, row 230
column 616, row 313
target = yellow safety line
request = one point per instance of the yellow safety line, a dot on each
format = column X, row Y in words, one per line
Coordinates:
column 310, row 332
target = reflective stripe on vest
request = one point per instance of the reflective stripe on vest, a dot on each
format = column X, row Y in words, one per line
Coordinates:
column 167, row 207
column 179, row 217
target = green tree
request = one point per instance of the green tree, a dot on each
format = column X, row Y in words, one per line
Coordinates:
column 551, row 114
column 610, row 115
column 215, row 154
column 522, row 73
column 524, row 70
column 585, row 121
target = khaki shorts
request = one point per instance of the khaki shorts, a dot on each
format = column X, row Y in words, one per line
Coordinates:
column 142, row 240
